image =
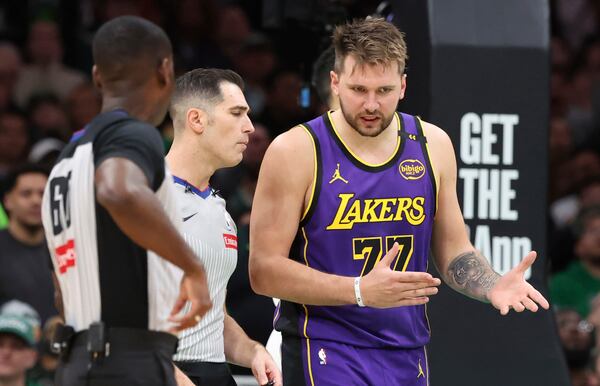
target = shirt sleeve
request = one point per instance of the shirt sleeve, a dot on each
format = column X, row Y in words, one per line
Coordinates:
column 139, row 143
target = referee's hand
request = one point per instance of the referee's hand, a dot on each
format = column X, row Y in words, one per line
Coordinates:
column 194, row 290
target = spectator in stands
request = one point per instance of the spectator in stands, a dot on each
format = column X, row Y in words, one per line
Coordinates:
column 24, row 257
column 45, row 72
column 193, row 30
column 580, row 283
column 17, row 350
column 45, row 152
column 48, row 118
column 14, row 139
column 232, row 30
column 255, row 61
column 576, row 338
column 10, row 69
column 283, row 109
column 83, row 104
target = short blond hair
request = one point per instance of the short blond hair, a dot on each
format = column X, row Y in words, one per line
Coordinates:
column 371, row 41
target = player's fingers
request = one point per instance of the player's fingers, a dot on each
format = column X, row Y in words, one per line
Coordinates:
column 539, row 298
column 504, row 309
column 421, row 292
column 530, row 304
column 413, row 277
column 411, row 301
column 402, row 286
column 527, row 261
column 389, row 256
column 518, row 306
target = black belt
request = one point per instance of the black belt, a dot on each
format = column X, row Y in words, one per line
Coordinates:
column 131, row 339
column 199, row 369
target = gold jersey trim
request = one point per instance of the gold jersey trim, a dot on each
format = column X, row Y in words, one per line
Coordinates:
column 394, row 153
column 315, row 171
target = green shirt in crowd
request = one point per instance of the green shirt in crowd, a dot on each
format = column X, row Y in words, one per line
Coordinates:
column 3, row 218
column 574, row 288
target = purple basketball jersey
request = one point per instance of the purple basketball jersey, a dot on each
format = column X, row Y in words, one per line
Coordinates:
column 357, row 212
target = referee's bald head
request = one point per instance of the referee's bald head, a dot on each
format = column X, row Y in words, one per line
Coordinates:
column 129, row 48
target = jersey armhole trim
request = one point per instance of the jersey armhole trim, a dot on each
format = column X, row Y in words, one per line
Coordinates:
column 425, row 148
column 316, row 183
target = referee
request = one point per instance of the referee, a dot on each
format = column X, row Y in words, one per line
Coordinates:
column 210, row 118
column 106, row 207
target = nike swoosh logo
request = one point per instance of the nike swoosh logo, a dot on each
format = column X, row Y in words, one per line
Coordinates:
column 189, row 217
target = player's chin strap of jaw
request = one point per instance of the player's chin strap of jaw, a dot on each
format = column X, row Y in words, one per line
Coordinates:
column 359, row 299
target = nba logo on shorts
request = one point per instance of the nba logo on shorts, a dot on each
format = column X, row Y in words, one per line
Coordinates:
column 322, row 357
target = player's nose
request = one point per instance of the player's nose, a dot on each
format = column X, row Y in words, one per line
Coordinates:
column 371, row 103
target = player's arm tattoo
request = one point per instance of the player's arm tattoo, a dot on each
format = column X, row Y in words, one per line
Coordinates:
column 470, row 273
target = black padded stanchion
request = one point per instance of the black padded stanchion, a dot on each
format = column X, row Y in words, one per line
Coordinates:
column 480, row 70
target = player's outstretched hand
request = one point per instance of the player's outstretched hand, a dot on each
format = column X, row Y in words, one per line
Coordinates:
column 194, row 290
column 513, row 291
column 264, row 368
column 383, row 287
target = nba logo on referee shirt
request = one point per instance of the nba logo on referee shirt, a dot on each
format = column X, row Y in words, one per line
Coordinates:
column 228, row 223
column 322, row 357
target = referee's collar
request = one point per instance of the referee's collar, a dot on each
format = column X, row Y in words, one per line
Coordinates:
column 191, row 188
column 78, row 134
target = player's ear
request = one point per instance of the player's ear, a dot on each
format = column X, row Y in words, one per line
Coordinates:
column 403, row 86
column 335, row 82
column 196, row 120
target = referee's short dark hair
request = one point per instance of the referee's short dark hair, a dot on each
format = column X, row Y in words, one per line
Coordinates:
column 204, row 86
column 124, row 44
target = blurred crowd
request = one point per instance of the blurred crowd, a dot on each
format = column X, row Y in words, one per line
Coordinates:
column 574, row 185
column 46, row 95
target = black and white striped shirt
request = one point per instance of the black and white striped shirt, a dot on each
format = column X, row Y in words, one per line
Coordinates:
column 211, row 233
column 104, row 275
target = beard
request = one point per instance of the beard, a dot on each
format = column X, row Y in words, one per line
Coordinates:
column 32, row 228
column 354, row 122
column 577, row 358
column 594, row 260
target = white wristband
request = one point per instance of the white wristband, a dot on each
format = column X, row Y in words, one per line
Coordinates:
column 357, row 294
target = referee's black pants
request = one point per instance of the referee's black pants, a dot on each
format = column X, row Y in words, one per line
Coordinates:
column 135, row 357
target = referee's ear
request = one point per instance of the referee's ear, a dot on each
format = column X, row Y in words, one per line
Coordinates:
column 96, row 78
column 196, row 120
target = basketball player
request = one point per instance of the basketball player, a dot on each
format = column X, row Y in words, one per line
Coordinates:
column 211, row 125
column 105, row 212
column 321, row 82
column 346, row 209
